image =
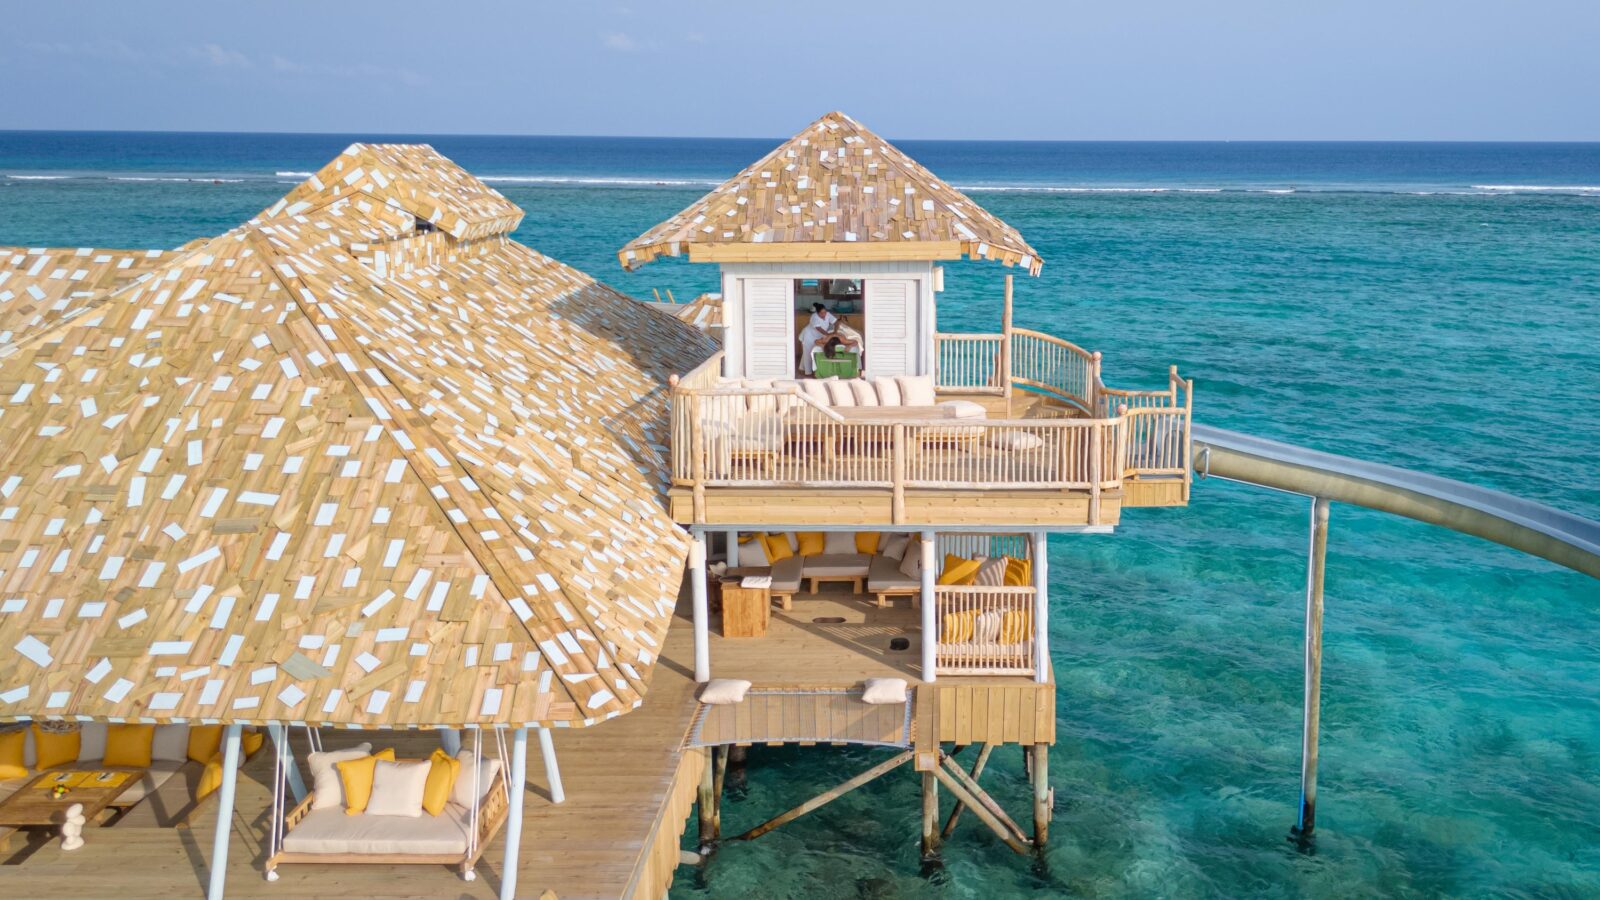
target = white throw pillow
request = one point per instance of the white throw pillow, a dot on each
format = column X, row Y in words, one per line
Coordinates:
column 722, row 691
column 864, row 392
column 894, row 546
column 817, row 390
column 325, row 783
column 171, row 743
column 837, row 543
column 884, row 690
column 786, row 389
column 911, row 562
column 986, row 630
column 888, row 391
column 964, row 409
column 760, row 403
column 753, row 552
column 397, row 788
column 839, row 393
column 92, row 741
column 992, row 573
column 916, row 390
column 488, row 768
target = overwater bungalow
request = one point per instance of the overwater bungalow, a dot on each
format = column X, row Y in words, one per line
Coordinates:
column 364, row 474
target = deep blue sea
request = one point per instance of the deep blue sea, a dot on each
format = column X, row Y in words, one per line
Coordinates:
column 1428, row 305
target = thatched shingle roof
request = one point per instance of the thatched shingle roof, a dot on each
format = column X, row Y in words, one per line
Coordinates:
column 835, row 190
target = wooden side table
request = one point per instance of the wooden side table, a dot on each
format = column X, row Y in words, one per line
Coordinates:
column 745, row 611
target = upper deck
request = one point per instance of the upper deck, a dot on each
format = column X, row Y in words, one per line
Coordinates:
column 1053, row 446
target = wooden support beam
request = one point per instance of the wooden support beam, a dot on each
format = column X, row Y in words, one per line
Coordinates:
column 828, row 796
column 1311, row 723
column 719, row 756
column 704, row 802
column 1042, row 797
column 985, row 801
column 1005, row 343
column 978, row 809
column 702, row 610
column 977, row 770
column 930, row 816
column 219, row 843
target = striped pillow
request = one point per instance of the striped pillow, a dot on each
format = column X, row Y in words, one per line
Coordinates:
column 992, row 573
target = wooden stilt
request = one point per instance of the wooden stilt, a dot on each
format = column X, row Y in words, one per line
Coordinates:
column 705, row 802
column 930, row 816
column 1041, row 795
column 983, row 813
column 720, row 777
column 985, row 801
column 1311, row 723
column 828, row 796
column 977, row 770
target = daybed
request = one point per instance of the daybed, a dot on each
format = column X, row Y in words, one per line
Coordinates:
column 881, row 572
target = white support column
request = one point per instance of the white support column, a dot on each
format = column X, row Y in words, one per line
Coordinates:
column 552, row 772
column 450, row 740
column 219, row 844
column 733, row 548
column 280, row 739
column 930, row 613
column 702, row 614
column 1041, row 606
column 519, row 784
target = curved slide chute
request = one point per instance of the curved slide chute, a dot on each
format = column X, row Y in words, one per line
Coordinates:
column 1561, row 537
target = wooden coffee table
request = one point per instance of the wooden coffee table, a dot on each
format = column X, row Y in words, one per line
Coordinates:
column 34, row 804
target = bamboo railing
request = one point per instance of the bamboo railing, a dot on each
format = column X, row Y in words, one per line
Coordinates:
column 1058, row 368
column 984, row 630
column 970, row 363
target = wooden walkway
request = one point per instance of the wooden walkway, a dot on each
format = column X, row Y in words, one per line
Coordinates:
column 828, row 716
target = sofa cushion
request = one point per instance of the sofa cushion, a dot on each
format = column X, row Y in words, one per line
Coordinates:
column 325, row 782
column 884, row 575
column 911, row 563
column 760, row 403
column 811, row 542
column 778, row 547
column 397, row 788
column 992, row 573
column 817, row 389
column 55, row 745
column 150, row 779
column 840, row 542
column 171, row 743
column 786, row 575
column 12, row 743
column 864, row 393
column 92, row 740
column 894, row 546
column 839, row 393
column 331, row 831
column 964, row 409
column 129, row 745
column 204, row 742
column 916, row 390
column 724, row 691
column 884, row 690
column 840, row 565
column 888, row 391
column 959, row 570
column 461, row 792
column 753, row 551
column 867, row 542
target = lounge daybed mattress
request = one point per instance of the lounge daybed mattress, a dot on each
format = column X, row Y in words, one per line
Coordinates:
column 330, row 830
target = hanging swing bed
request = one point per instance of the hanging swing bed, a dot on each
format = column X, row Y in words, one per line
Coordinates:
column 369, row 808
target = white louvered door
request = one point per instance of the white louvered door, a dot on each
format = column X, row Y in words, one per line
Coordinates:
column 769, row 341
column 891, row 337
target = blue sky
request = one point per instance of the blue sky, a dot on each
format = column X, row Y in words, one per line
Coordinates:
column 1112, row 69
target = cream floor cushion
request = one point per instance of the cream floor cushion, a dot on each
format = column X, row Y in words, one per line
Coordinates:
column 884, row 690
column 786, row 574
column 964, row 409
column 331, row 831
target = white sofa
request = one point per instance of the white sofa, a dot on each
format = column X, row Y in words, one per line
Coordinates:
column 877, row 574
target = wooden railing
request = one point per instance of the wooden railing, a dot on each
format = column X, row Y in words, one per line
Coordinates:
column 984, row 630
column 701, row 377
column 970, row 363
column 1057, row 368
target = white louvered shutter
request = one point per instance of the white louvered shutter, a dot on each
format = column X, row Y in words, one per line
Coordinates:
column 891, row 336
column 769, row 341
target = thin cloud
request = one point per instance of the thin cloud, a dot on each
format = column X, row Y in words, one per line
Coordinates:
column 109, row 50
column 222, row 57
column 616, row 40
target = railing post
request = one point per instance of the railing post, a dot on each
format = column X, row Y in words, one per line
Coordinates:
column 1096, row 448
column 897, row 507
column 1005, row 343
column 701, row 606
column 930, row 611
column 1188, row 437
column 1039, row 559
column 697, row 458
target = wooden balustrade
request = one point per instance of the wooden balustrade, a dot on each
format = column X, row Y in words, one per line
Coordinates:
column 970, row 363
column 984, row 630
column 1058, row 368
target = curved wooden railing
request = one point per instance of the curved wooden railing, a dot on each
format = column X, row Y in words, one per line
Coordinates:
column 1058, row 368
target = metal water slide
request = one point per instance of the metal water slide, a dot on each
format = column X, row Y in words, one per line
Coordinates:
column 1562, row 538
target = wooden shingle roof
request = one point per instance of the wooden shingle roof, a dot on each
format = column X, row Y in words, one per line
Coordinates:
column 833, row 191
column 327, row 467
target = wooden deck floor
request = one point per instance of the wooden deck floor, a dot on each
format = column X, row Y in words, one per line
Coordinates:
column 618, row 776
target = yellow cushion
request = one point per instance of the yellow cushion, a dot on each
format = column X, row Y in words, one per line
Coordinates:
column 249, row 742
column 51, row 748
column 959, row 569
column 1019, row 572
column 129, row 745
column 11, row 744
column 210, row 777
column 356, row 776
column 811, row 543
column 441, row 779
column 958, row 627
column 777, row 547
column 204, row 742
column 1016, row 627
column 867, row 542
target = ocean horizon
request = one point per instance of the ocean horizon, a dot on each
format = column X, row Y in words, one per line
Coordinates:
column 1425, row 304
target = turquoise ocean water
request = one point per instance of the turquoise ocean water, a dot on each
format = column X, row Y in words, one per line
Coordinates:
column 1434, row 306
